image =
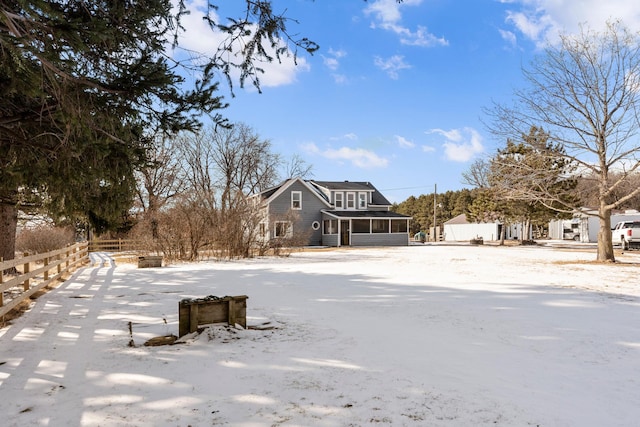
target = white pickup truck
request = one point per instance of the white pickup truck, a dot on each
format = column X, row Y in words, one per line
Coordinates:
column 627, row 233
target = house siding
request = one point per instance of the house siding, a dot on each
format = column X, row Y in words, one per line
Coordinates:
column 378, row 208
column 310, row 212
column 330, row 239
column 380, row 239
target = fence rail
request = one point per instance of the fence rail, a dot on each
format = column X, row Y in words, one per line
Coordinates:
column 37, row 273
column 115, row 245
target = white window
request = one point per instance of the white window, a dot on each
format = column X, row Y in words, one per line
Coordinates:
column 351, row 200
column 338, row 201
column 283, row 229
column 263, row 229
column 296, row 200
column 362, row 200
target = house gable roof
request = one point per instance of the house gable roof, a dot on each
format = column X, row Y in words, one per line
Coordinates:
column 376, row 197
column 323, row 189
column 273, row 193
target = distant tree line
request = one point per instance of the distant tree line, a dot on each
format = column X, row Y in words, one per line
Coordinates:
column 484, row 203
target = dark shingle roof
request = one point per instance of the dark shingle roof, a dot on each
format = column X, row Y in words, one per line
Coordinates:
column 268, row 193
column 366, row 214
column 376, row 197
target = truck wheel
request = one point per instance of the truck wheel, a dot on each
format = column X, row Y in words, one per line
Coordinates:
column 624, row 244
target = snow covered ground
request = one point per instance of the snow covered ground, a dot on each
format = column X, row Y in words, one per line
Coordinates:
column 432, row 335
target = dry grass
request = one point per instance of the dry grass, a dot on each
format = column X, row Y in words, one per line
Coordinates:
column 18, row 311
column 25, row 305
column 125, row 258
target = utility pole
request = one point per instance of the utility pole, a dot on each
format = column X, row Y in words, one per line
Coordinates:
column 435, row 192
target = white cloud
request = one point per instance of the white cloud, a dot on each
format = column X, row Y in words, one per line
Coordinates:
column 332, row 59
column 358, row 157
column 332, row 62
column 403, row 142
column 388, row 16
column 350, row 136
column 339, row 78
column 386, row 11
column 201, row 39
column 536, row 28
column 509, row 37
column 428, row 149
column 310, row 148
column 461, row 145
column 421, row 37
column 542, row 20
column 451, row 135
column 391, row 65
column 282, row 73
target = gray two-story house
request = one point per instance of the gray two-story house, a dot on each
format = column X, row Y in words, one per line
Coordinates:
column 331, row 213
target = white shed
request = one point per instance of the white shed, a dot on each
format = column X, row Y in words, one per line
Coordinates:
column 459, row 229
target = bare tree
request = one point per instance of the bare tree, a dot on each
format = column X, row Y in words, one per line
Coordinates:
column 296, row 167
column 200, row 168
column 586, row 92
column 159, row 181
column 477, row 174
column 244, row 163
column 196, row 192
column 221, row 166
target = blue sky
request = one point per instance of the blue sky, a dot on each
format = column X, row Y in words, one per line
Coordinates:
column 395, row 95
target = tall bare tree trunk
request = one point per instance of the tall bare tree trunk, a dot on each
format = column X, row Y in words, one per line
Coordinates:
column 8, row 226
column 605, row 242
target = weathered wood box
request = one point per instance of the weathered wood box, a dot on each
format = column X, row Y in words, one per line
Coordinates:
column 150, row 261
column 211, row 309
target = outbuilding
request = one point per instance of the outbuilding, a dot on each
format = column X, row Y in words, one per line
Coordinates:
column 459, row 229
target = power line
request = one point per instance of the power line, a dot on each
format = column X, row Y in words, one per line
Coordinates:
column 405, row 188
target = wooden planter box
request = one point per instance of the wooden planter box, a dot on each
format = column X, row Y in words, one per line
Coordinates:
column 211, row 309
column 477, row 241
column 149, row 261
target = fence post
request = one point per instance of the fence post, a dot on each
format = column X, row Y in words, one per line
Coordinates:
column 67, row 259
column 26, row 271
column 46, row 271
column 1, row 279
column 59, row 264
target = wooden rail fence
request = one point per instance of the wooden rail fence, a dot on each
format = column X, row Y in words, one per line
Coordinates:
column 37, row 273
column 115, row 245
